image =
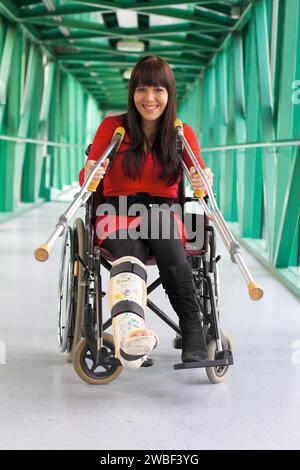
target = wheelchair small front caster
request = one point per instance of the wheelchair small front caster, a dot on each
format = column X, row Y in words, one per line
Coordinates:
column 217, row 374
column 88, row 369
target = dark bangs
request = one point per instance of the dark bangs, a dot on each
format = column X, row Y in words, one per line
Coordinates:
column 151, row 74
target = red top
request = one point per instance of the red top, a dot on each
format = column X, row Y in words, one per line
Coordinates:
column 115, row 183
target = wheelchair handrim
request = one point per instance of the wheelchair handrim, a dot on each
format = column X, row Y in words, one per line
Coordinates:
column 65, row 289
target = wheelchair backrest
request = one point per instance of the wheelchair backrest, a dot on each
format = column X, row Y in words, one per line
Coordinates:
column 98, row 197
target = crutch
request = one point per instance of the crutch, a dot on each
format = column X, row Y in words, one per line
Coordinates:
column 214, row 214
column 43, row 252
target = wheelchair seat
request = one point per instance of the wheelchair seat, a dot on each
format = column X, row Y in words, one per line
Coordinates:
column 98, row 198
column 151, row 259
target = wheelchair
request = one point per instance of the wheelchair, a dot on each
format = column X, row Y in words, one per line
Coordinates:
column 82, row 329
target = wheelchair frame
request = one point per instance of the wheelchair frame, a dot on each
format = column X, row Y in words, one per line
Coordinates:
column 96, row 347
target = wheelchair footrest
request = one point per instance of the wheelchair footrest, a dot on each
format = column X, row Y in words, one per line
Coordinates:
column 223, row 359
column 103, row 359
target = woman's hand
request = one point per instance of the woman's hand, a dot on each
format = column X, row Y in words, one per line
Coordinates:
column 196, row 180
column 89, row 166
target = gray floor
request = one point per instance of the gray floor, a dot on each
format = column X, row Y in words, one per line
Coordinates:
column 44, row 405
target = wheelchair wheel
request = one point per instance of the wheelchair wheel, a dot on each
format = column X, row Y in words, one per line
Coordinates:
column 84, row 364
column 217, row 374
column 71, row 289
column 78, row 287
column 65, row 288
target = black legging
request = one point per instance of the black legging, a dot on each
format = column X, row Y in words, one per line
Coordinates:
column 167, row 251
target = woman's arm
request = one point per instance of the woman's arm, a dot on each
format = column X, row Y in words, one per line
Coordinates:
column 196, row 180
column 101, row 141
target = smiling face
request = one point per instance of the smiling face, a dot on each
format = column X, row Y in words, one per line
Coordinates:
column 150, row 101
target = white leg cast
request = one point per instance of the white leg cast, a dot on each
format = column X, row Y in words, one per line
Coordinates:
column 127, row 297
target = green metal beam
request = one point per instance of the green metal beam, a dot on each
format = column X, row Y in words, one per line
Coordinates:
column 10, row 123
column 41, row 12
column 90, row 26
column 143, row 4
column 6, row 62
column 85, row 46
column 40, row 157
column 239, row 25
column 123, row 61
column 31, row 171
column 289, row 215
column 266, row 113
column 229, row 175
column 188, row 16
column 154, row 4
column 9, row 9
column 288, row 112
column 83, row 25
column 222, row 11
column 251, row 191
column 29, row 108
column 221, row 120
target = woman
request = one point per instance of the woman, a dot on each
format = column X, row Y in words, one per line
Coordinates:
column 147, row 170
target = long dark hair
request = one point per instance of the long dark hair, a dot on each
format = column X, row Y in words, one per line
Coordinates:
column 152, row 71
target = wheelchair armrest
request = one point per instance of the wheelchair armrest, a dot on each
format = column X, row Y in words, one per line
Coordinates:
column 193, row 198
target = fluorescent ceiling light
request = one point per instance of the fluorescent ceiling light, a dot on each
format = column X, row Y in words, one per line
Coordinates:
column 130, row 46
column 127, row 19
column 127, row 74
column 51, row 7
column 155, row 20
column 235, row 12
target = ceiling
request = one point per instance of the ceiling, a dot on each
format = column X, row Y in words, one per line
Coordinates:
column 83, row 37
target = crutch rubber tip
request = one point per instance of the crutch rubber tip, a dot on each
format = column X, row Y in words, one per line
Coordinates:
column 255, row 292
column 42, row 253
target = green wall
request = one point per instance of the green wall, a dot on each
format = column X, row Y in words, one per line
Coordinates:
column 40, row 102
column 248, row 94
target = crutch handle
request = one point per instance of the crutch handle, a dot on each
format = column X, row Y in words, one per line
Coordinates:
column 42, row 253
column 200, row 193
column 255, row 291
column 93, row 186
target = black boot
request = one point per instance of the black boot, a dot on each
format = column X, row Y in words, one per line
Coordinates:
column 179, row 285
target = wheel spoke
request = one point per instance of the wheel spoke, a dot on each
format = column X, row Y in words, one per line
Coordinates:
column 94, row 367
